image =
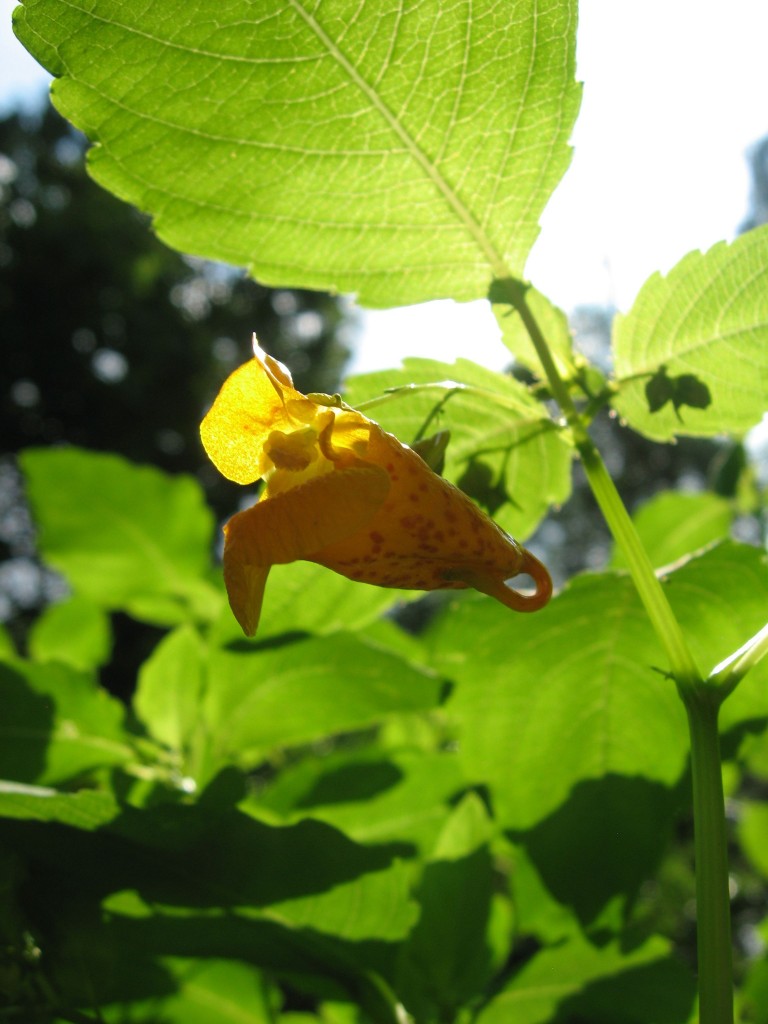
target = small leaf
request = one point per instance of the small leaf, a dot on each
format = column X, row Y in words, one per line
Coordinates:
column 76, row 632
column 505, row 451
column 127, row 537
column 691, row 355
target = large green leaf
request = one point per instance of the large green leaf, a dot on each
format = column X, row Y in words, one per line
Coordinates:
column 127, row 537
column 504, row 451
column 691, row 356
column 291, row 694
column 546, row 701
column 576, row 692
column 400, row 152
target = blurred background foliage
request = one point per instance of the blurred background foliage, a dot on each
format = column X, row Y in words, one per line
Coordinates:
column 114, row 343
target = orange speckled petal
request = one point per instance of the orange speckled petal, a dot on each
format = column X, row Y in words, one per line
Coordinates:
column 513, row 598
column 292, row 525
column 249, row 406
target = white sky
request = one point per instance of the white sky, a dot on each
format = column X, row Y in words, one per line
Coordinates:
column 675, row 91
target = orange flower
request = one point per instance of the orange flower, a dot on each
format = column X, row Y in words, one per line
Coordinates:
column 342, row 492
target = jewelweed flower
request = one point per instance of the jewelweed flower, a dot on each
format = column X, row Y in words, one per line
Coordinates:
column 342, row 492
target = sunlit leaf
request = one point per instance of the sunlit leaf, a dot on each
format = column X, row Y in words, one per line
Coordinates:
column 691, row 356
column 56, row 723
column 577, row 691
column 504, row 450
column 128, row 537
column 75, row 631
column 546, row 701
column 85, row 809
column 403, row 153
column 295, row 693
column 403, row 798
column 673, row 524
column 168, row 696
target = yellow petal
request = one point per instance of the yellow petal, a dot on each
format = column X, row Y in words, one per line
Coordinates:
column 292, row 525
column 250, row 405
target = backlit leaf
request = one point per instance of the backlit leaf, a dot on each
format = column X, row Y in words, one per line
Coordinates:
column 504, row 450
column 691, row 356
column 400, row 152
column 128, row 537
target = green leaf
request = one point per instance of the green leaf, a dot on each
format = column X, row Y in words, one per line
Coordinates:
column 403, row 153
column 215, row 990
column 288, row 695
column 576, row 981
column 543, row 702
column 447, row 959
column 753, row 834
column 76, row 632
column 573, row 693
column 169, row 693
column 554, row 326
column 404, row 798
column 720, row 600
column 672, row 524
column 504, row 452
column 127, row 537
column 691, row 356
column 304, row 597
column 56, row 723
column 85, row 809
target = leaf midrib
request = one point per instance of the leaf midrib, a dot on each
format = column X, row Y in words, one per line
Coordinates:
column 463, row 213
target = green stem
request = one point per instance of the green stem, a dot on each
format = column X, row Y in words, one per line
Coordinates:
column 713, row 912
column 701, row 701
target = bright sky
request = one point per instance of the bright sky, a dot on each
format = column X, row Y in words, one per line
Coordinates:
column 675, row 91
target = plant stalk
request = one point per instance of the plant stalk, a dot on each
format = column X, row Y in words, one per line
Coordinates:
column 702, row 702
column 713, row 909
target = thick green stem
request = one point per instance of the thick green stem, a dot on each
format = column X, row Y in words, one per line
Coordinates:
column 701, row 701
column 713, row 912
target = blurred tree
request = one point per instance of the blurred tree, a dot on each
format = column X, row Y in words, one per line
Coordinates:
column 111, row 340
column 757, row 158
